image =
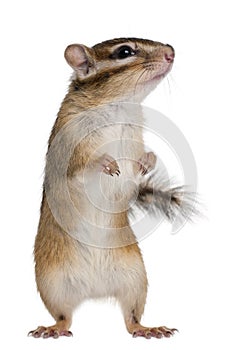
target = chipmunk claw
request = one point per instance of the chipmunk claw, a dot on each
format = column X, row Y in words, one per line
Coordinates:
column 37, row 333
column 156, row 332
column 167, row 332
column 49, row 332
column 109, row 165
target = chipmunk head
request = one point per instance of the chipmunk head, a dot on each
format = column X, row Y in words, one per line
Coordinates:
column 124, row 69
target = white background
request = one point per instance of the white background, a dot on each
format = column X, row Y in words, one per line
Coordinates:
column 195, row 276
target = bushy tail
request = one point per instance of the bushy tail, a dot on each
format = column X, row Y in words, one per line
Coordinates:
column 158, row 197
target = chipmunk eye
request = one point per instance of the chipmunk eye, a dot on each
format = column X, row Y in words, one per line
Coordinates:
column 123, row 52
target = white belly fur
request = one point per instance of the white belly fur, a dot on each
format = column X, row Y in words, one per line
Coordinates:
column 98, row 196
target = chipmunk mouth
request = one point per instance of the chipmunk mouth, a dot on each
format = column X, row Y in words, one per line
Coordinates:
column 161, row 72
column 152, row 75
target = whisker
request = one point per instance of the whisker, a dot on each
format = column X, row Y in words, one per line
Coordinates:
column 169, row 87
column 139, row 79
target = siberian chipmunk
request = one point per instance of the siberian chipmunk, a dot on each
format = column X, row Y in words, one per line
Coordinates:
column 96, row 162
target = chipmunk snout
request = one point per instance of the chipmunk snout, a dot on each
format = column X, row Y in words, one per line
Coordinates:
column 169, row 53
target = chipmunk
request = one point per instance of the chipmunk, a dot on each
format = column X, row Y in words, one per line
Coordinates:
column 96, row 165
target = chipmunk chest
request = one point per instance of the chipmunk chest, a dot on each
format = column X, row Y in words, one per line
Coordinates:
column 123, row 141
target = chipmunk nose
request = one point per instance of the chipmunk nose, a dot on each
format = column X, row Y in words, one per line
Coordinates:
column 169, row 54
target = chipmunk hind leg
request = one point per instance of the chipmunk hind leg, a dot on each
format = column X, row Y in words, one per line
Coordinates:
column 132, row 292
column 60, row 299
column 132, row 301
column 134, row 327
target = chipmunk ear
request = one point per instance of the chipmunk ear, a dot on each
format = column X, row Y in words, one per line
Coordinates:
column 77, row 56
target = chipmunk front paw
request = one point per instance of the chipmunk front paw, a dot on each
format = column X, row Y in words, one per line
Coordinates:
column 109, row 165
column 147, row 162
